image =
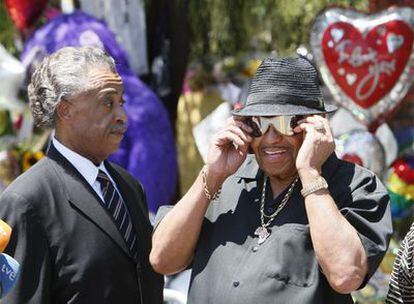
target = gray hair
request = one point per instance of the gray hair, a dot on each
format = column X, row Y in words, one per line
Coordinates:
column 61, row 76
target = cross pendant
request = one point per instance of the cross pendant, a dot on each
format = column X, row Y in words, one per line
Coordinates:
column 262, row 233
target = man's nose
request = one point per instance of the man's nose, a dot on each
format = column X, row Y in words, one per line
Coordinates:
column 121, row 114
column 273, row 135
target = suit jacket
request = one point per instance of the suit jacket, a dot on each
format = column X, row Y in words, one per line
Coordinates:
column 68, row 246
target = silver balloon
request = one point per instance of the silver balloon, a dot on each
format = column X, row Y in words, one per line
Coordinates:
column 366, row 61
column 363, row 148
column 12, row 73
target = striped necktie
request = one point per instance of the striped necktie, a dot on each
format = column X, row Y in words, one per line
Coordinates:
column 116, row 207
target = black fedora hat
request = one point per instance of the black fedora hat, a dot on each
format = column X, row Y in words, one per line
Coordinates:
column 288, row 86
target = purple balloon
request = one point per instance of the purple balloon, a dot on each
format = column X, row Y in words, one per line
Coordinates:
column 148, row 149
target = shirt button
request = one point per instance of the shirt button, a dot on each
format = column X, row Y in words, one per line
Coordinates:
column 255, row 248
column 236, row 283
column 270, row 210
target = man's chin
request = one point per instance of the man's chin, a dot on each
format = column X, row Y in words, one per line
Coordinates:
column 113, row 145
column 115, row 139
column 279, row 172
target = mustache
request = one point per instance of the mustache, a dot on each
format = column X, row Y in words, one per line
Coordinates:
column 118, row 128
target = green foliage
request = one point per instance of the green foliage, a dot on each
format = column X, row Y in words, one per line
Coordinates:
column 7, row 30
column 228, row 27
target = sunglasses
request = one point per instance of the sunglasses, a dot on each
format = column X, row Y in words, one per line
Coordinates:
column 283, row 124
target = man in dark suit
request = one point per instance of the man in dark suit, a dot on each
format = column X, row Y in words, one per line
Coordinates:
column 80, row 224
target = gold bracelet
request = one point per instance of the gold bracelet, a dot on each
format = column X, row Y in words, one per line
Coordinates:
column 206, row 191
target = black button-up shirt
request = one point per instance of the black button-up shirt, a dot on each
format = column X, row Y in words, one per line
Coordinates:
column 230, row 267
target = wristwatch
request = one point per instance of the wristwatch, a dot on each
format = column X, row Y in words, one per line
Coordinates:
column 318, row 184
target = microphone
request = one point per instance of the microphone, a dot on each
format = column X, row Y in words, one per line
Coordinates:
column 5, row 233
column 9, row 267
column 9, row 272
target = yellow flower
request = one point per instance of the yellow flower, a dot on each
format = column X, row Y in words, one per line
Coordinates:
column 30, row 158
column 251, row 68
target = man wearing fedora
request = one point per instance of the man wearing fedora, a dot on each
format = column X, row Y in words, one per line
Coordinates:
column 289, row 223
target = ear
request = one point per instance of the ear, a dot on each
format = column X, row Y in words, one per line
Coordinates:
column 64, row 110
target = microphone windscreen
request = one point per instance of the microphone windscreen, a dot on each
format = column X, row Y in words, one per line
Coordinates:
column 5, row 232
column 9, row 272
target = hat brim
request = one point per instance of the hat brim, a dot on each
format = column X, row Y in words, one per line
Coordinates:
column 280, row 109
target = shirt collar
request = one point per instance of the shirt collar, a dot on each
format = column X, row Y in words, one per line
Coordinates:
column 85, row 167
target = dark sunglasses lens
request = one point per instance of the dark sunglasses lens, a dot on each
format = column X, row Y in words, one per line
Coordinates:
column 256, row 130
column 294, row 121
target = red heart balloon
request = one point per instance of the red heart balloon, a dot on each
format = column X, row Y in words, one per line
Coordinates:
column 366, row 67
column 366, row 60
column 25, row 12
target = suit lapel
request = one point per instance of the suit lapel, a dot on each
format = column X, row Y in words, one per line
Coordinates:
column 82, row 196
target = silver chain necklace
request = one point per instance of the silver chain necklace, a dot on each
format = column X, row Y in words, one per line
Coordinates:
column 262, row 232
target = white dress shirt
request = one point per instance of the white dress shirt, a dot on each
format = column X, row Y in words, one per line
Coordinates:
column 85, row 167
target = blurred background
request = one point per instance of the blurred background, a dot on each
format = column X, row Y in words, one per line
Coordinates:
column 186, row 64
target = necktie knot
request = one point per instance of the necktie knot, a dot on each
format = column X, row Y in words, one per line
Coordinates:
column 102, row 178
